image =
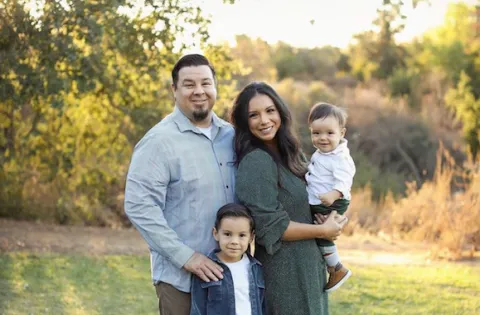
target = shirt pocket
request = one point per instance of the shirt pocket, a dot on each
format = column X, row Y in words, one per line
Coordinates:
column 260, row 285
column 190, row 178
column 185, row 193
column 214, row 289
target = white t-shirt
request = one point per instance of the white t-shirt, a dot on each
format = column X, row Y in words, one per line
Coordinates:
column 206, row 131
column 329, row 171
column 241, row 285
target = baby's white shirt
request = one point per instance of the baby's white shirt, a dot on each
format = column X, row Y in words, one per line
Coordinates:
column 329, row 171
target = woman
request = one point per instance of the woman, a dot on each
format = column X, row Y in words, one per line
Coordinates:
column 270, row 182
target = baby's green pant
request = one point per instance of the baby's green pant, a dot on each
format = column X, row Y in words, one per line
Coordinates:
column 340, row 205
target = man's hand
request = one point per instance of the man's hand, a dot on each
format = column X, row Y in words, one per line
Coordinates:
column 328, row 198
column 205, row 268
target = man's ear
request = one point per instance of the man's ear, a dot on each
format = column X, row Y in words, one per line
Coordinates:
column 343, row 132
column 215, row 234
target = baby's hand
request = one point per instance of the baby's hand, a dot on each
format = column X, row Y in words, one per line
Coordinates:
column 328, row 198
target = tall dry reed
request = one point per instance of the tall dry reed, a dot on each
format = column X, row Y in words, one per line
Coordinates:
column 444, row 211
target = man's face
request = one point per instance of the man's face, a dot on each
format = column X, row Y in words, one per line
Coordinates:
column 195, row 93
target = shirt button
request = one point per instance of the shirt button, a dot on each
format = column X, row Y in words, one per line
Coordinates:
column 227, row 186
column 313, row 163
column 221, row 164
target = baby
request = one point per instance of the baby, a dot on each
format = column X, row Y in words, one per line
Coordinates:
column 329, row 179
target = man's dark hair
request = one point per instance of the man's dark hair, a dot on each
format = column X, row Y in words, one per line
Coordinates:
column 192, row 60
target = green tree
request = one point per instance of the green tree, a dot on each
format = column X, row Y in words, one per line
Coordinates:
column 467, row 110
column 389, row 55
column 376, row 54
column 451, row 54
column 80, row 82
column 306, row 64
column 256, row 56
column 453, row 47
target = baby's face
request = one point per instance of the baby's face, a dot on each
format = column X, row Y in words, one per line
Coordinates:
column 326, row 133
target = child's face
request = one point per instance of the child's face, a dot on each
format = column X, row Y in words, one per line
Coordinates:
column 233, row 237
column 326, row 133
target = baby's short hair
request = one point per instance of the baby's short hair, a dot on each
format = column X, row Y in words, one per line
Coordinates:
column 323, row 110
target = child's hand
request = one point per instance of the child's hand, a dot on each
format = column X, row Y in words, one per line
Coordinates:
column 320, row 218
column 328, row 198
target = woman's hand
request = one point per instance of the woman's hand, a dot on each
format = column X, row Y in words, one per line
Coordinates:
column 330, row 228
column 331, row 225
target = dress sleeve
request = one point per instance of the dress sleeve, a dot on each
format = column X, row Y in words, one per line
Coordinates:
column 257, row 189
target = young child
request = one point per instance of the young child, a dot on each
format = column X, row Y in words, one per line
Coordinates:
column 241, row 291
column 329, row 179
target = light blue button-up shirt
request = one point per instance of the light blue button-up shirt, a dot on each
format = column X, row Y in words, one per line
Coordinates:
column 177, row 180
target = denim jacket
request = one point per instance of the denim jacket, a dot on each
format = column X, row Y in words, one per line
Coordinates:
column 218, row 297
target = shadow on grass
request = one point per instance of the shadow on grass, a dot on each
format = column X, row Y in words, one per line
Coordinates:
column 6, row 290
column 113, row 284
column 28, row 285
column 42, row 289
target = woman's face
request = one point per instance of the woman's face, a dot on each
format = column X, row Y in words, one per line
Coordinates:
column 263, row 118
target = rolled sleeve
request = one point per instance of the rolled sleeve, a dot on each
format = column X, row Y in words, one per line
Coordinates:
column 257, row 189
column 145, row 194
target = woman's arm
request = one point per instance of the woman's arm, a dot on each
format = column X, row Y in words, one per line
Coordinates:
column 330, row 229
column 257, row 189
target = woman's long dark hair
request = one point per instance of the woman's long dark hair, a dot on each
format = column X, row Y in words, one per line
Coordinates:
column 288, row 145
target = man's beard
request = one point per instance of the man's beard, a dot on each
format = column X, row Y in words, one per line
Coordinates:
column 200, row 115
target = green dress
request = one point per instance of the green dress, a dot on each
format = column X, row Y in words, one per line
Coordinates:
column 294, row 271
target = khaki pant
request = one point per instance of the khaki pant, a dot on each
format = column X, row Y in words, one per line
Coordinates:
column 172, row 301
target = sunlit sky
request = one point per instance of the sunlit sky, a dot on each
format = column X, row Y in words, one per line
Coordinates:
column 335, row 21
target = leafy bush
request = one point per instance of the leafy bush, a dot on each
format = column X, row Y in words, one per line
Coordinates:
column 402, row 82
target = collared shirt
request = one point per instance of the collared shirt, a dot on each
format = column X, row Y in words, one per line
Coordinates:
column 218, row 297
column 177, row 180
column 329, row 171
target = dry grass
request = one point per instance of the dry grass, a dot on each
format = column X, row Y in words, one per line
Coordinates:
column 444, row 211
column 364, row 213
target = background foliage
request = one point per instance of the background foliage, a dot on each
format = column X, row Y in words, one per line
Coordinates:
column 82, row 81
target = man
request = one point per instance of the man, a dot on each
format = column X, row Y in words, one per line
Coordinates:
column 181, row 173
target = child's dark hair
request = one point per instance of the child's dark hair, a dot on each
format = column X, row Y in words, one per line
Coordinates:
column 323, row 110
column 233, row 210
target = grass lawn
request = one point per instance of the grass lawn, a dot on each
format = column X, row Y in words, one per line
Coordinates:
column 71, row 284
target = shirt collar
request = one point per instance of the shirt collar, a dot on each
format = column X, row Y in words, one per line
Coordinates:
column 342, row 146
column 185, row 124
